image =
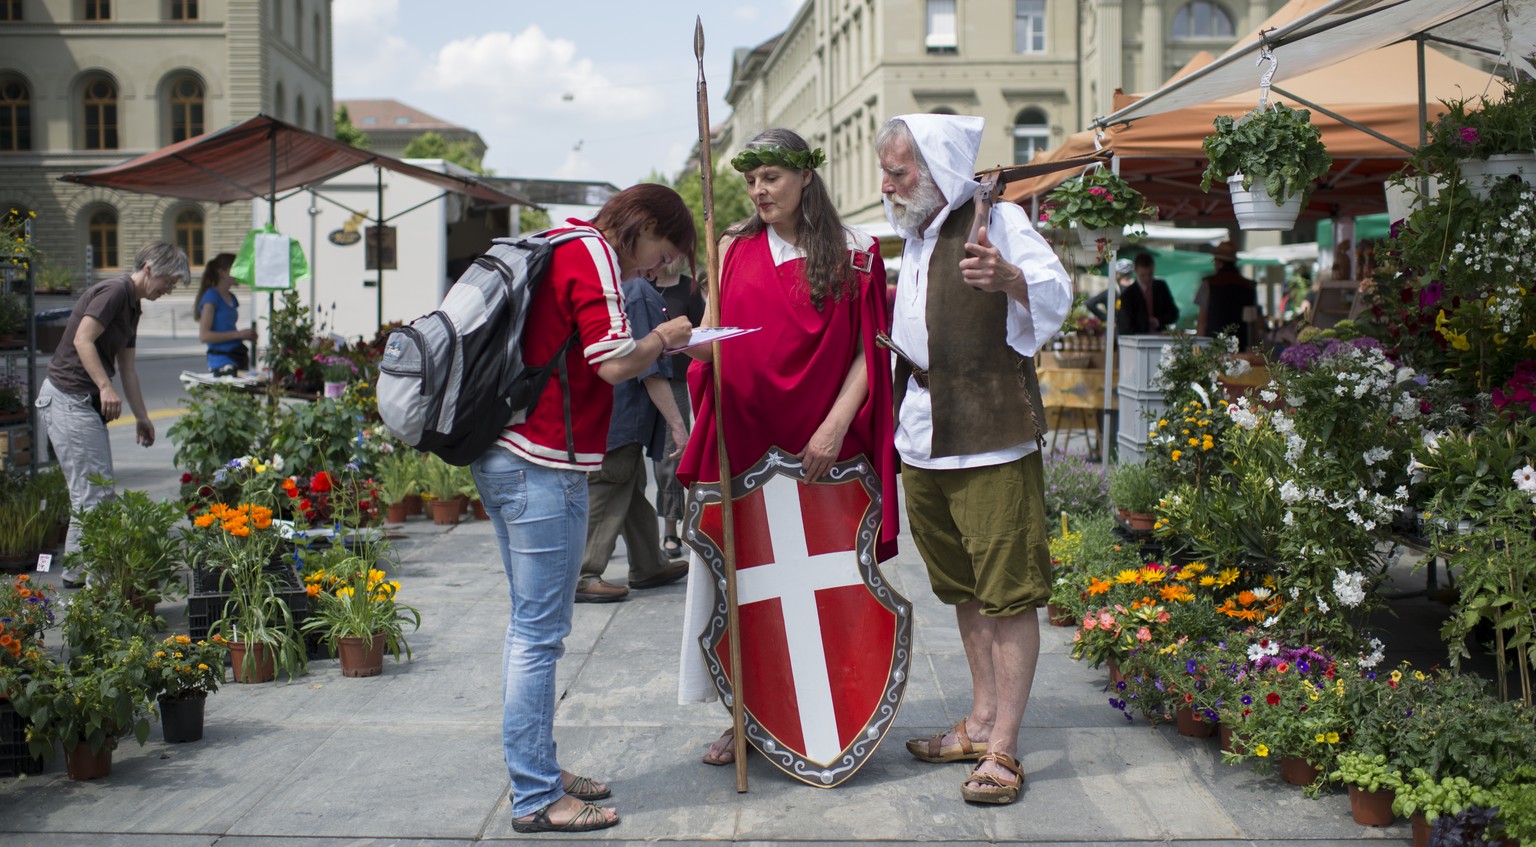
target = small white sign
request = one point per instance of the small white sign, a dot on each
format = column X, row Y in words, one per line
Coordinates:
column 44, row 562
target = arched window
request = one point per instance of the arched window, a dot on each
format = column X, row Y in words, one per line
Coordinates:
column 1031, row 134
column 101, row 234
column 1202, row 19
column 278, row 109
column 186, row 98
column 99, row 101
column 15, row 114
column 189, row 234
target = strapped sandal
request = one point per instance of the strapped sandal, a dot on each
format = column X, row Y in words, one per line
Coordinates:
column 588, row 789
column 588, row 818
column 991, row 789
column 672, row 546
column 933, row 749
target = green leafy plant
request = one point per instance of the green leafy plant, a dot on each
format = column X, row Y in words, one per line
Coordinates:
column 181, row 668
column 26, row 611
column 99, row 616
column 440, row 480
column 92, row 699
column 1135, row 487
column 13, row 394
column 1486, row 126
column 1422, row 794
column 1516, row 801
column 126, row 540
column 220, row 423
column 1366, row 772
column 360, row 603
column 1095, row 200
column 24, row 528
column 1276, row 146
column 13, row 314
column 317, row 436
column 1075, row 486
column 290, row 344
column 398, row 475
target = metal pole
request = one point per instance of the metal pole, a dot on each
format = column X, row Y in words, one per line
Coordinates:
column 1106, row 433
column 378, row 258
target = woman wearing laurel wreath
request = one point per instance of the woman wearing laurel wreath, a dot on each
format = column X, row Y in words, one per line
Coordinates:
column 812, row 380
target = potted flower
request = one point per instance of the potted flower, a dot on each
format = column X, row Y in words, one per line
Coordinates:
column 397, row 480
column 359, row 617
column 182, row 673
column 85, row 704
column 24, row 530
column 1269, row 159
column 1100, row 205
column 127, row 541
column 240, row 543
column 1134, row 487
column 1424, row 799
column 1372, row 783
column 13, row 398
column 441, row 483
column 336, row 370
column 26, row 610
column 1487, row 141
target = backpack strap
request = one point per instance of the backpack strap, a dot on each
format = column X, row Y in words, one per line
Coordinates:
column 558, row 363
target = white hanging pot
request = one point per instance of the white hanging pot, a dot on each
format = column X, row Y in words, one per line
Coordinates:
column 1112, row 236
column 1483, row 174
column 1257, row 211
column 1403, row 200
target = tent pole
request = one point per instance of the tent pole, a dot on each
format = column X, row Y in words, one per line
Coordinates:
column 1423, row 109
column 1106, row 433
column 378, row 283
column 272, row 185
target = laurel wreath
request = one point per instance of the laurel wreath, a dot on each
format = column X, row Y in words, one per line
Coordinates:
column 756, row 157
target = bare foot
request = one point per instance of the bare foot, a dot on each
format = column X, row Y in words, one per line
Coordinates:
column 723, row 751
column 992, row 769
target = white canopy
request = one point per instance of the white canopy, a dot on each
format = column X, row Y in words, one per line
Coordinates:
column 1307, row 35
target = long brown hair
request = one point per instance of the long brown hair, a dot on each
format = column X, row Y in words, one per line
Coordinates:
column 219, row 264
column 624, row 216
column 828, row 271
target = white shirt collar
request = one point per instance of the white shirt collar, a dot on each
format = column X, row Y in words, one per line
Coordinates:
column 782, row 250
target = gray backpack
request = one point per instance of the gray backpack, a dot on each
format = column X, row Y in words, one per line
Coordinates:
column 452, row 379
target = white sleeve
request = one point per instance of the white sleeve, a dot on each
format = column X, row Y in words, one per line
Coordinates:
column 1031, row 327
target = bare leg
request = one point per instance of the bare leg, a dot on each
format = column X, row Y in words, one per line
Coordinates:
column 1015, row 651
column 977, row 634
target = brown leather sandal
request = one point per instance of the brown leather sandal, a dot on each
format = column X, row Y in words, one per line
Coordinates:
column 933, row 749
column 722, row 751
column 991, row 789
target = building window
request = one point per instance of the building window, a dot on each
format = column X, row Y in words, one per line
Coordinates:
column 943, row 35
column 15, row 114
column 1031, row 134
column 320, row 123
column 101, row 234
column 10, row 10
column 298, row 111
column 277, row 103
column 98, row 10
column 318, row 43
column 183, row 10
column 100, row 104
column 298, row 26
column 942, row 110
column 1029, row 26
column 189, row 234
column 186, row 109
column 277, row 19
column 1202, row 19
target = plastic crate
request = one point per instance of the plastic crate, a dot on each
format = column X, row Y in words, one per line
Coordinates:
column 207, row 580
column 14, row 759
column 205, row 609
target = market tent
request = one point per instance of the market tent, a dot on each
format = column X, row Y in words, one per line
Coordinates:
column 1305, row 36
column 257, row 158
column 1160, row 154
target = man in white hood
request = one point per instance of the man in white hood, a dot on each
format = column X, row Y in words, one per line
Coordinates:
column 969, row 318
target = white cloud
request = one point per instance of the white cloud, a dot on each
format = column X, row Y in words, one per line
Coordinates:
column 530, row 73
column 374, row 60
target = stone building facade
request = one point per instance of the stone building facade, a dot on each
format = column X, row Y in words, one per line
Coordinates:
column 1037, row 70
column 88, row 83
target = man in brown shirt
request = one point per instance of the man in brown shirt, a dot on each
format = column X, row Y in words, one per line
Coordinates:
column 78, row 400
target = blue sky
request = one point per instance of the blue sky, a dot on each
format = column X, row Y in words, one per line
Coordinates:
column 573, row 89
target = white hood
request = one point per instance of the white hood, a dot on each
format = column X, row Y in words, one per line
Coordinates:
column 949, row 144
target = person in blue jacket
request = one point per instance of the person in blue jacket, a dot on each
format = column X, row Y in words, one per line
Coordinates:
column 218, row 319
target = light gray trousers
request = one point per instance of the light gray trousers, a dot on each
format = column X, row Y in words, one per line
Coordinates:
column 80, row 442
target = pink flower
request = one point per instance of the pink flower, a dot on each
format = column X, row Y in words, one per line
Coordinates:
column 1469, row 136
column 1143, row 634
column 1106, row 620
column 1100, row 191
column 1163, row 616
column 1090, row 622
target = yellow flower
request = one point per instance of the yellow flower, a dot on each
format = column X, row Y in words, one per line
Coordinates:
column 1127, row 576
column 1397, row 676
column 1175, row 455
column 1194, row 442
column 1207, row 581
column 1162, row 422
column 1152, row 574
column 261, row 468
column 1333, row 738
column 1319, row 738
column 1261, row 751
column 1419, row 675
column 201, row 666
column 1312, row 695
column 1227, row 577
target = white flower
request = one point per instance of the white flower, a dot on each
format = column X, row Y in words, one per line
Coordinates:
column 1525, row 479
column 1378, row 652
column 1261, row 594
column 1290, row 492
column 1322, row 605
column 1349, row 588
column 277, row 463
column 1270, row 621
column 1268, row 396
column 1377, row 454
column 1238, row 367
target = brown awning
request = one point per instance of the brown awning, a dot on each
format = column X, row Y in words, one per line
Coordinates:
column 257, row 158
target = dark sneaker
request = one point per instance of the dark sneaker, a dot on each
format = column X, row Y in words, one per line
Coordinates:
column 670, row 574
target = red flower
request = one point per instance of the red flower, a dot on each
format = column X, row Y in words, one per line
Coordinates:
column 186, row 478
column 1273, row 699
column 304, row 506
column 1283, row 667
column 1189, row 698
column 320, row 483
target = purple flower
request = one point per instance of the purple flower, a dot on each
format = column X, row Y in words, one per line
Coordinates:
column 1302, row 666
column 1469, row 136
column 1210, row 715
column 1247, row 700
column 1300, row 356
column 1189, row 667
column 1431, row 294
column 1120, row 686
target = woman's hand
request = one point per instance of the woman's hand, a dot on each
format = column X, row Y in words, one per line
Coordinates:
column 821, row 452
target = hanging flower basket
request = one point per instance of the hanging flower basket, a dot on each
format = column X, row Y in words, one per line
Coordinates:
column 1279, row 154
column 1483, row 174
column 1100, row 206
column 1105, row 238
column 1257, row 211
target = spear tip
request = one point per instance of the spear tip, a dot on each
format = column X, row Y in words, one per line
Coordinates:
column 698, row 37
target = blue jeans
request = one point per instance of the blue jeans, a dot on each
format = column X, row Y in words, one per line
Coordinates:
column 540, row 518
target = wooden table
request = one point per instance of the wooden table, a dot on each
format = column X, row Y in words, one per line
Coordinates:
column 1072, row 395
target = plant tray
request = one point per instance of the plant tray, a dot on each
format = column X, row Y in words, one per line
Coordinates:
column 214, row 581
column 204, row 610
column 14, row 759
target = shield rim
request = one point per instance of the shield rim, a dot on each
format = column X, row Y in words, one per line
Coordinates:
column 778, row 461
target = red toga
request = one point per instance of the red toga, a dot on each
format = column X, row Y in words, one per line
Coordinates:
column 780, row 383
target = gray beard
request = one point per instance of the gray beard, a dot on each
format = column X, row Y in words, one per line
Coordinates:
column 912, row 212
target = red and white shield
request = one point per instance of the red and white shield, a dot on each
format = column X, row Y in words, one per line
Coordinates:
column 826, row 641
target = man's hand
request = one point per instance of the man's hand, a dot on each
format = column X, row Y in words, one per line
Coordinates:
column 679, row 437
column 111, row 405
column 676, row 332
column 146, row 432
column 986, row 270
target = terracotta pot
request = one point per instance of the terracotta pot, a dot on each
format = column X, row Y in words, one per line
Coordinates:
column 1058, row 616
column 1297, row 771
column 1231, row 742
column 445, row 512
column 181, row 719
column 479, row 509
column 361, row 656
column 1421, row 828
column 397, row 513
column 1193, row 724
column 82, row 764
column 463, row 501
column 1115, row 676
column 412, row 504
column 263, row 667
column 1140, row 521
column 1371, row 808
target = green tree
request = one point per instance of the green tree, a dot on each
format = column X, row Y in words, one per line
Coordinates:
column 731, row 202
column 431, row 145
column 345, row 131
column 530, row 219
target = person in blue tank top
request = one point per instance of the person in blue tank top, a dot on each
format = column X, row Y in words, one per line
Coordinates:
column 218, row 319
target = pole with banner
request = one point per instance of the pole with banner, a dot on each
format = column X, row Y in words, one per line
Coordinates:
column 727, row 524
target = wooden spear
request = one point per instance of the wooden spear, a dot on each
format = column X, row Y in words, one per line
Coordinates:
column 727, row 522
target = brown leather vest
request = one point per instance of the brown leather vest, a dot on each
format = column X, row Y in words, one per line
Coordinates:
column 985, row 395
